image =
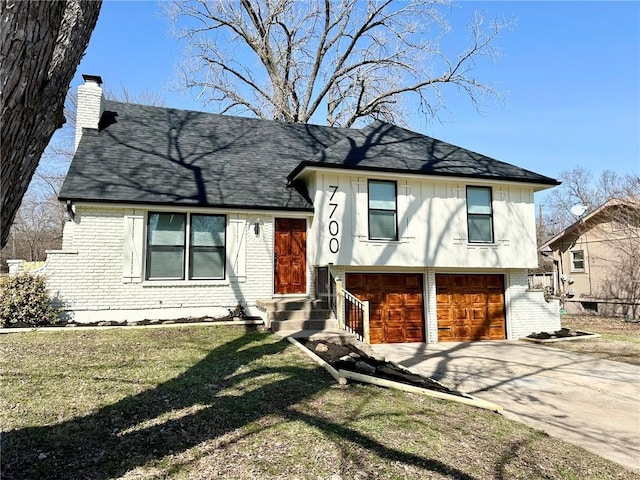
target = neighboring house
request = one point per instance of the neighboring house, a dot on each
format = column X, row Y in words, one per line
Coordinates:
column 597, row 260
column 177, row 213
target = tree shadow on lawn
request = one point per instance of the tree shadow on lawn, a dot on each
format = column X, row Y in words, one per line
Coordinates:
column 212, row 398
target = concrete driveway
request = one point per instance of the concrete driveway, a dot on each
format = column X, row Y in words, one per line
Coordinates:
column 583, row 400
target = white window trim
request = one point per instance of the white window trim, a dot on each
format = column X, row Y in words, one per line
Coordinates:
column 491, row 216
column 572, row 261
column 397, row 232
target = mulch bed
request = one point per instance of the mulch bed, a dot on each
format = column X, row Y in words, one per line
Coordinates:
column 562, row 333
column 349, row 357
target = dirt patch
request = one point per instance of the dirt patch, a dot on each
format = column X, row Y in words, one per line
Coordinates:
column 351, row 358
column 602, row 325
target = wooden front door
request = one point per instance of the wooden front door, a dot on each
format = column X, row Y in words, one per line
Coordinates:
column 395, row 305
column 290, row 252
column 470, row 307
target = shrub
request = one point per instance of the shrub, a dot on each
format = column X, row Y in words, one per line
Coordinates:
column 24, row 300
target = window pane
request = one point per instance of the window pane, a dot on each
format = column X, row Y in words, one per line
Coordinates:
column 166, row 228
column 166, row 262
column 578, row 260
column 207, row 262
column 479, row 200
column 382, row 225
column 480, row 228
column 382, row 195
column 207, row 230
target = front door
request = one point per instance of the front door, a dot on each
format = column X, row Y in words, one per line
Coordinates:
column 290, row 260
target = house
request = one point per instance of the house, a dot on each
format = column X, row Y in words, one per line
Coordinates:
column 176, row 213
column 597, row 260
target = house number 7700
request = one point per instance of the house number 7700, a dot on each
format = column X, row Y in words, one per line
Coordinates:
column 334, row 227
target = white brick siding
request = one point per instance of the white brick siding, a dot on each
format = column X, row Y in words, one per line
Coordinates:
column 527, row 310
column 87, row 276
column 90, row 105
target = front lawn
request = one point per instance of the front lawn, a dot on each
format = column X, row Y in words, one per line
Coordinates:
column 225, row 402
column 619, row 339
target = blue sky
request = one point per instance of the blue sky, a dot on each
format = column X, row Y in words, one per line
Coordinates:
column 570, row 73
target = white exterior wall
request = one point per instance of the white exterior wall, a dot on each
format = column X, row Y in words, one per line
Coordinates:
column 527, row 310
column 432, row 224
column 94, row 278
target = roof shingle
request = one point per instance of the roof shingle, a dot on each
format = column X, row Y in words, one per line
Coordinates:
column 144, row 154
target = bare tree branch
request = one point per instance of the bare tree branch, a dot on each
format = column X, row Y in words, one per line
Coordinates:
column 287, row 60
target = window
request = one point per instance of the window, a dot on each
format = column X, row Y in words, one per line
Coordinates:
column 165, row 252
column 382, row 210
column 479, row 215
column 591, row 307
column 167, row 244
column 577, row 261
column 206, row 255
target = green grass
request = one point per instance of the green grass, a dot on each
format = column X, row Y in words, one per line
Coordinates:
column 225, row 402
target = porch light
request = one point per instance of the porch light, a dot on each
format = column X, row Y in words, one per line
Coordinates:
column 256, row 228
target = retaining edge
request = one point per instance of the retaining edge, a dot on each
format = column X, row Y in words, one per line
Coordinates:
column 468, row 400
column 334, row 373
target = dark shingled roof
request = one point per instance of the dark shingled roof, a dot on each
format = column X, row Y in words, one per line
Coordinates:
column 156, row 155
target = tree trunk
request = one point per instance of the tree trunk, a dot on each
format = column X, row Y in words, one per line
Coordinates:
column 41, row 46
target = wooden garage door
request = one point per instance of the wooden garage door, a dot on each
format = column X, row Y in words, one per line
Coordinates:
column 395, row 305
column 470, row 307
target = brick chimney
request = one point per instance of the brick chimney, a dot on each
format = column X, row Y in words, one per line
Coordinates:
column 90, row 105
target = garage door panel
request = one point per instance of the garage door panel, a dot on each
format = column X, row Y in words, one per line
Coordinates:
column 394, row 334
column 376, row 334
column 495, row 282
column 496, row 311
column 445, row 333
column 478, row 314
column 413, row 300
column 354, row 281
column 458, row 281
column 460, row 331
column 394, row 299
column 495, row 298
column 413, row 334
column 459, row 299
column 470, row 307
column 477, row 282
column 395, row 305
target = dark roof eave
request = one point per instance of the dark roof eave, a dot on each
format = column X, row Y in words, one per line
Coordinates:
column 185, row 204
column 296, row 171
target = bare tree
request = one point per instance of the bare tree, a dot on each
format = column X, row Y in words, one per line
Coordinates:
column 41, row 46
column 579, row 187
column 38, row 223
column 290, row 60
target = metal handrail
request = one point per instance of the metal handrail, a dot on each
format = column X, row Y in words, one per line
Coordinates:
column 351, row 312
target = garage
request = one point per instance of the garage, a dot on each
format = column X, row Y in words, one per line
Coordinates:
column 470, row 307
column 395, row 305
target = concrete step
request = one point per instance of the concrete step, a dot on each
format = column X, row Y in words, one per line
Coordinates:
column 288, row 304
column 297, row 325
column 329, row 335
column 282, row 315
